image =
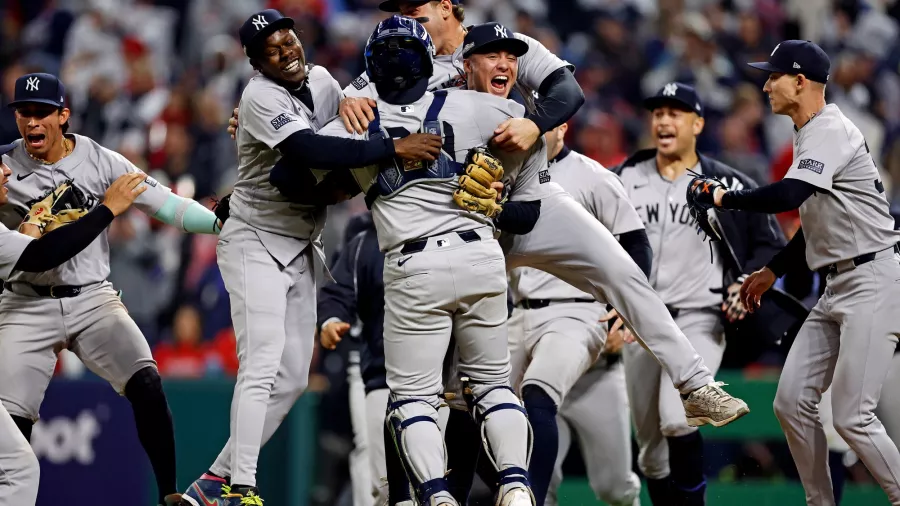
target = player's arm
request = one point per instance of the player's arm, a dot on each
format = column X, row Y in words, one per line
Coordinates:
column 62, row 244
column 763, row 235
column 813, row 170
column 264, row 116
column 560, row 96
column 337, row 301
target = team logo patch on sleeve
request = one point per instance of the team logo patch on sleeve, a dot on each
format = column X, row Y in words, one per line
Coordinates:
column 813, row 165
column 360, row 83
column 281, row 120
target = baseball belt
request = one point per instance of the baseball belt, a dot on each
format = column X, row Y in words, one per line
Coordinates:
column 55, row 292
column 541, row 303
column 846, row 265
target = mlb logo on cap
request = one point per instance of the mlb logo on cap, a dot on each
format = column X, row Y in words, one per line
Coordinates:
column 39, row 88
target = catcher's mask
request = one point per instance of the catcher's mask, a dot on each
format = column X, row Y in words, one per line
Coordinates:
column 399, row 53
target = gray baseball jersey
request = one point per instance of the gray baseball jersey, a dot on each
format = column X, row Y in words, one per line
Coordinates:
column 449, row 73
column 12, row 244
column 850, row 216
column 673, row 235
column 601, row 192
column 267, row 268
column 468, row 120
column 92, row 169
column 269, row 114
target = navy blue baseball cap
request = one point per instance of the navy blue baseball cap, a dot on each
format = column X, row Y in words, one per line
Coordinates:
column 39, row 88
column 261, row 25
column 798, row 57
column 680, row 95
column 394, row 5
column 488, row 37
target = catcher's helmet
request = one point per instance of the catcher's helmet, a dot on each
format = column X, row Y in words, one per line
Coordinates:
column 399, row 52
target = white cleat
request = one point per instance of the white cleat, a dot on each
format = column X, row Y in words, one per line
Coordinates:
column 712, row 405
column 517, row 497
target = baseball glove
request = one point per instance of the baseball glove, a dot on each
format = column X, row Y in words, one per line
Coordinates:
column 222, row 208
column 700, row 192
column 475, row 193
column 60, row 206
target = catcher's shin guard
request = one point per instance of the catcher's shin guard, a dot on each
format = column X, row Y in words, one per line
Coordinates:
column 505, row 433
column 414, row 429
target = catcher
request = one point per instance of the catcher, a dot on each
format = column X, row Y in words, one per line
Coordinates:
column 60, row 177
column 671, row 452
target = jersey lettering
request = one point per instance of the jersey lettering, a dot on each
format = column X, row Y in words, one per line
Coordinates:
column 652, row 213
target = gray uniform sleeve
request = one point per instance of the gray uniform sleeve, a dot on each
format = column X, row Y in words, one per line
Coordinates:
column 610, row 203
column 360, row 87
column 268, row 115
column 12, row 244
column 153, row 198
column 821, row 153
column 537, row 63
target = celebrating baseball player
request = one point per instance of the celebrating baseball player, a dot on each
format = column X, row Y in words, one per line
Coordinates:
column 539, row 70
column 443, row 270
column 671, row 451
column 19, row 468
column 847, row 342
column 69, row 174
column 555, row 339
column 266, row 251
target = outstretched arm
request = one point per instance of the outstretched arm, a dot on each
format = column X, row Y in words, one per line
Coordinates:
column 188, row 216
column 785, row 195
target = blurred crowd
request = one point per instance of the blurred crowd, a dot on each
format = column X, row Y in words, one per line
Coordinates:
column 156, row 80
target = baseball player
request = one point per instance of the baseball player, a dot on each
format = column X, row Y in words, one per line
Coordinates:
column 671, row 451
column 73, row 306
column 443, row 268
column 555, row 338
column 847, row 342
column 19, row 468
column 266, row 252
column 539, row 70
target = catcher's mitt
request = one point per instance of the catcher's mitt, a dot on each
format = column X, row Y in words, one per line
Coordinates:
column 700, row 193
column 60, row 206
column 475, row 193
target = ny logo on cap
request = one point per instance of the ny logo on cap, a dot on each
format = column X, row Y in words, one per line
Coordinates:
column 501, row 32
column 259, row 22
column 670, row 89
column 31, row 84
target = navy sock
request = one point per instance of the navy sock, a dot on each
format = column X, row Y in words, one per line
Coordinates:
column 838, row 474
column 398, row 484
column 463, row 445
column 686, row 465
column 660, row 491
column 153, row 420
column 542, row 416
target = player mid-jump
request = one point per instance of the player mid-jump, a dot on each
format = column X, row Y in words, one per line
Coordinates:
column 848, row 341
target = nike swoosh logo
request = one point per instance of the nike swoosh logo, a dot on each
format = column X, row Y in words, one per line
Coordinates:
column 402, row 261
column 207, row 502
column 20, row 177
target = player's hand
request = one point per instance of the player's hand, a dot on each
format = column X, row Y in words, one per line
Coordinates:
column 617, row 330
column 233, row 123
column 30, row 230
column 498, row 187
column 732, row 306
column 332, row 333
column 755, row 286
column 425, row 147
column 516, row 134
column 121, row 194
column 356, row 113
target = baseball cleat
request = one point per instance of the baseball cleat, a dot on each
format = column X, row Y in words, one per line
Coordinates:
column 172, row 500
column 242, row 496
column 208, row 490
column 712, row 405
column 517, row 497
